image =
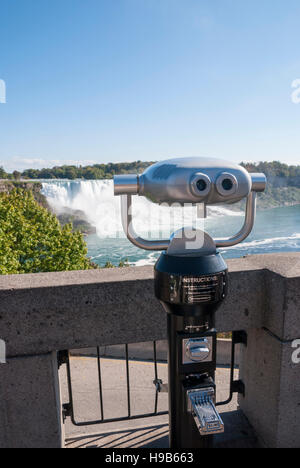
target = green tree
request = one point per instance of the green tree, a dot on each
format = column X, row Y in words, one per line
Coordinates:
column 3, row 174
column 31, row 174
column 71, row 172
column 17, row 175
column 32, row 240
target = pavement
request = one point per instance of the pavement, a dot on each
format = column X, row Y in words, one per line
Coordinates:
column 151, row 432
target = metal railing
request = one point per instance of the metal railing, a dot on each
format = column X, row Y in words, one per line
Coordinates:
column 64, row 357
column 69, row 408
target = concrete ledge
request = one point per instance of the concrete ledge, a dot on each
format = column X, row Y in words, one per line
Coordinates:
column 45, row 312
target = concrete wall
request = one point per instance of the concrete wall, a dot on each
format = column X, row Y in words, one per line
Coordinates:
column 30, row 406
column 43, row 313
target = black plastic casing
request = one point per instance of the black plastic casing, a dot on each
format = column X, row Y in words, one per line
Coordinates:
column 191, row 286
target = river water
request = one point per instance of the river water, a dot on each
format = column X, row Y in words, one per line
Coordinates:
column 276, row 230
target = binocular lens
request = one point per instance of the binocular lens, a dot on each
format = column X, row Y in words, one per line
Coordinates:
column 201, row 185
column 227, row 184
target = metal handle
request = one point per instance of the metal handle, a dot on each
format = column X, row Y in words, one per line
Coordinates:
column 126, row 212
column 126, row 184
column 201, row 405
column 247, row 227
column 158, row 245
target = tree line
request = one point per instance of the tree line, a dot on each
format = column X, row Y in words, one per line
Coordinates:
column 95, row 172
column 278, row 174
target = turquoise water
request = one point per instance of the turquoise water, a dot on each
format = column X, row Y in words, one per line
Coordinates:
column 276, row 230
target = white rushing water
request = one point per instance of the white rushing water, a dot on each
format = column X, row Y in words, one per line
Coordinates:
column 102, row 209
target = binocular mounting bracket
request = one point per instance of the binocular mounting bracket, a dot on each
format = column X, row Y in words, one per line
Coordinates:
column 159, row 245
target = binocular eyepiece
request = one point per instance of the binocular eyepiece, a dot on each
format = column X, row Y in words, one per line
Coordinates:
column 226, row 184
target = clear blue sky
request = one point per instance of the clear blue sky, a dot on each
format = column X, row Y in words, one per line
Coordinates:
column 117, row 80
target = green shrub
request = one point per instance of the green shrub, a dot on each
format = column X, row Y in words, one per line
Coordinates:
column 32, row 240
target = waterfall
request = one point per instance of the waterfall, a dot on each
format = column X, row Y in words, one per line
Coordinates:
column 96, row 199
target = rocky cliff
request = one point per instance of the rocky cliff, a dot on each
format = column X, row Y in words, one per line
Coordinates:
column 7, row 185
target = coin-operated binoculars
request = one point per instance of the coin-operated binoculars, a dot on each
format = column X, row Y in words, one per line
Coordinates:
column 191, row 280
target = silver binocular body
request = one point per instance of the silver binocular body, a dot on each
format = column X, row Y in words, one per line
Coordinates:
column 191, row 180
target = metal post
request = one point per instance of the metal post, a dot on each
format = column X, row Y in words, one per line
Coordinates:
column 183, row 430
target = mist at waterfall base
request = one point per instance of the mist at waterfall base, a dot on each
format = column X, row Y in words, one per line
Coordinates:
column 276, row 230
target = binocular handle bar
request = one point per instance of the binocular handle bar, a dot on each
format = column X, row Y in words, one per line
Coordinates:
column 159, row 245
column 247, row 227
column 135, row 239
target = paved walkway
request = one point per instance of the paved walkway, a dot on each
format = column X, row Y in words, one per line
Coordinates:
column 148, row 432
